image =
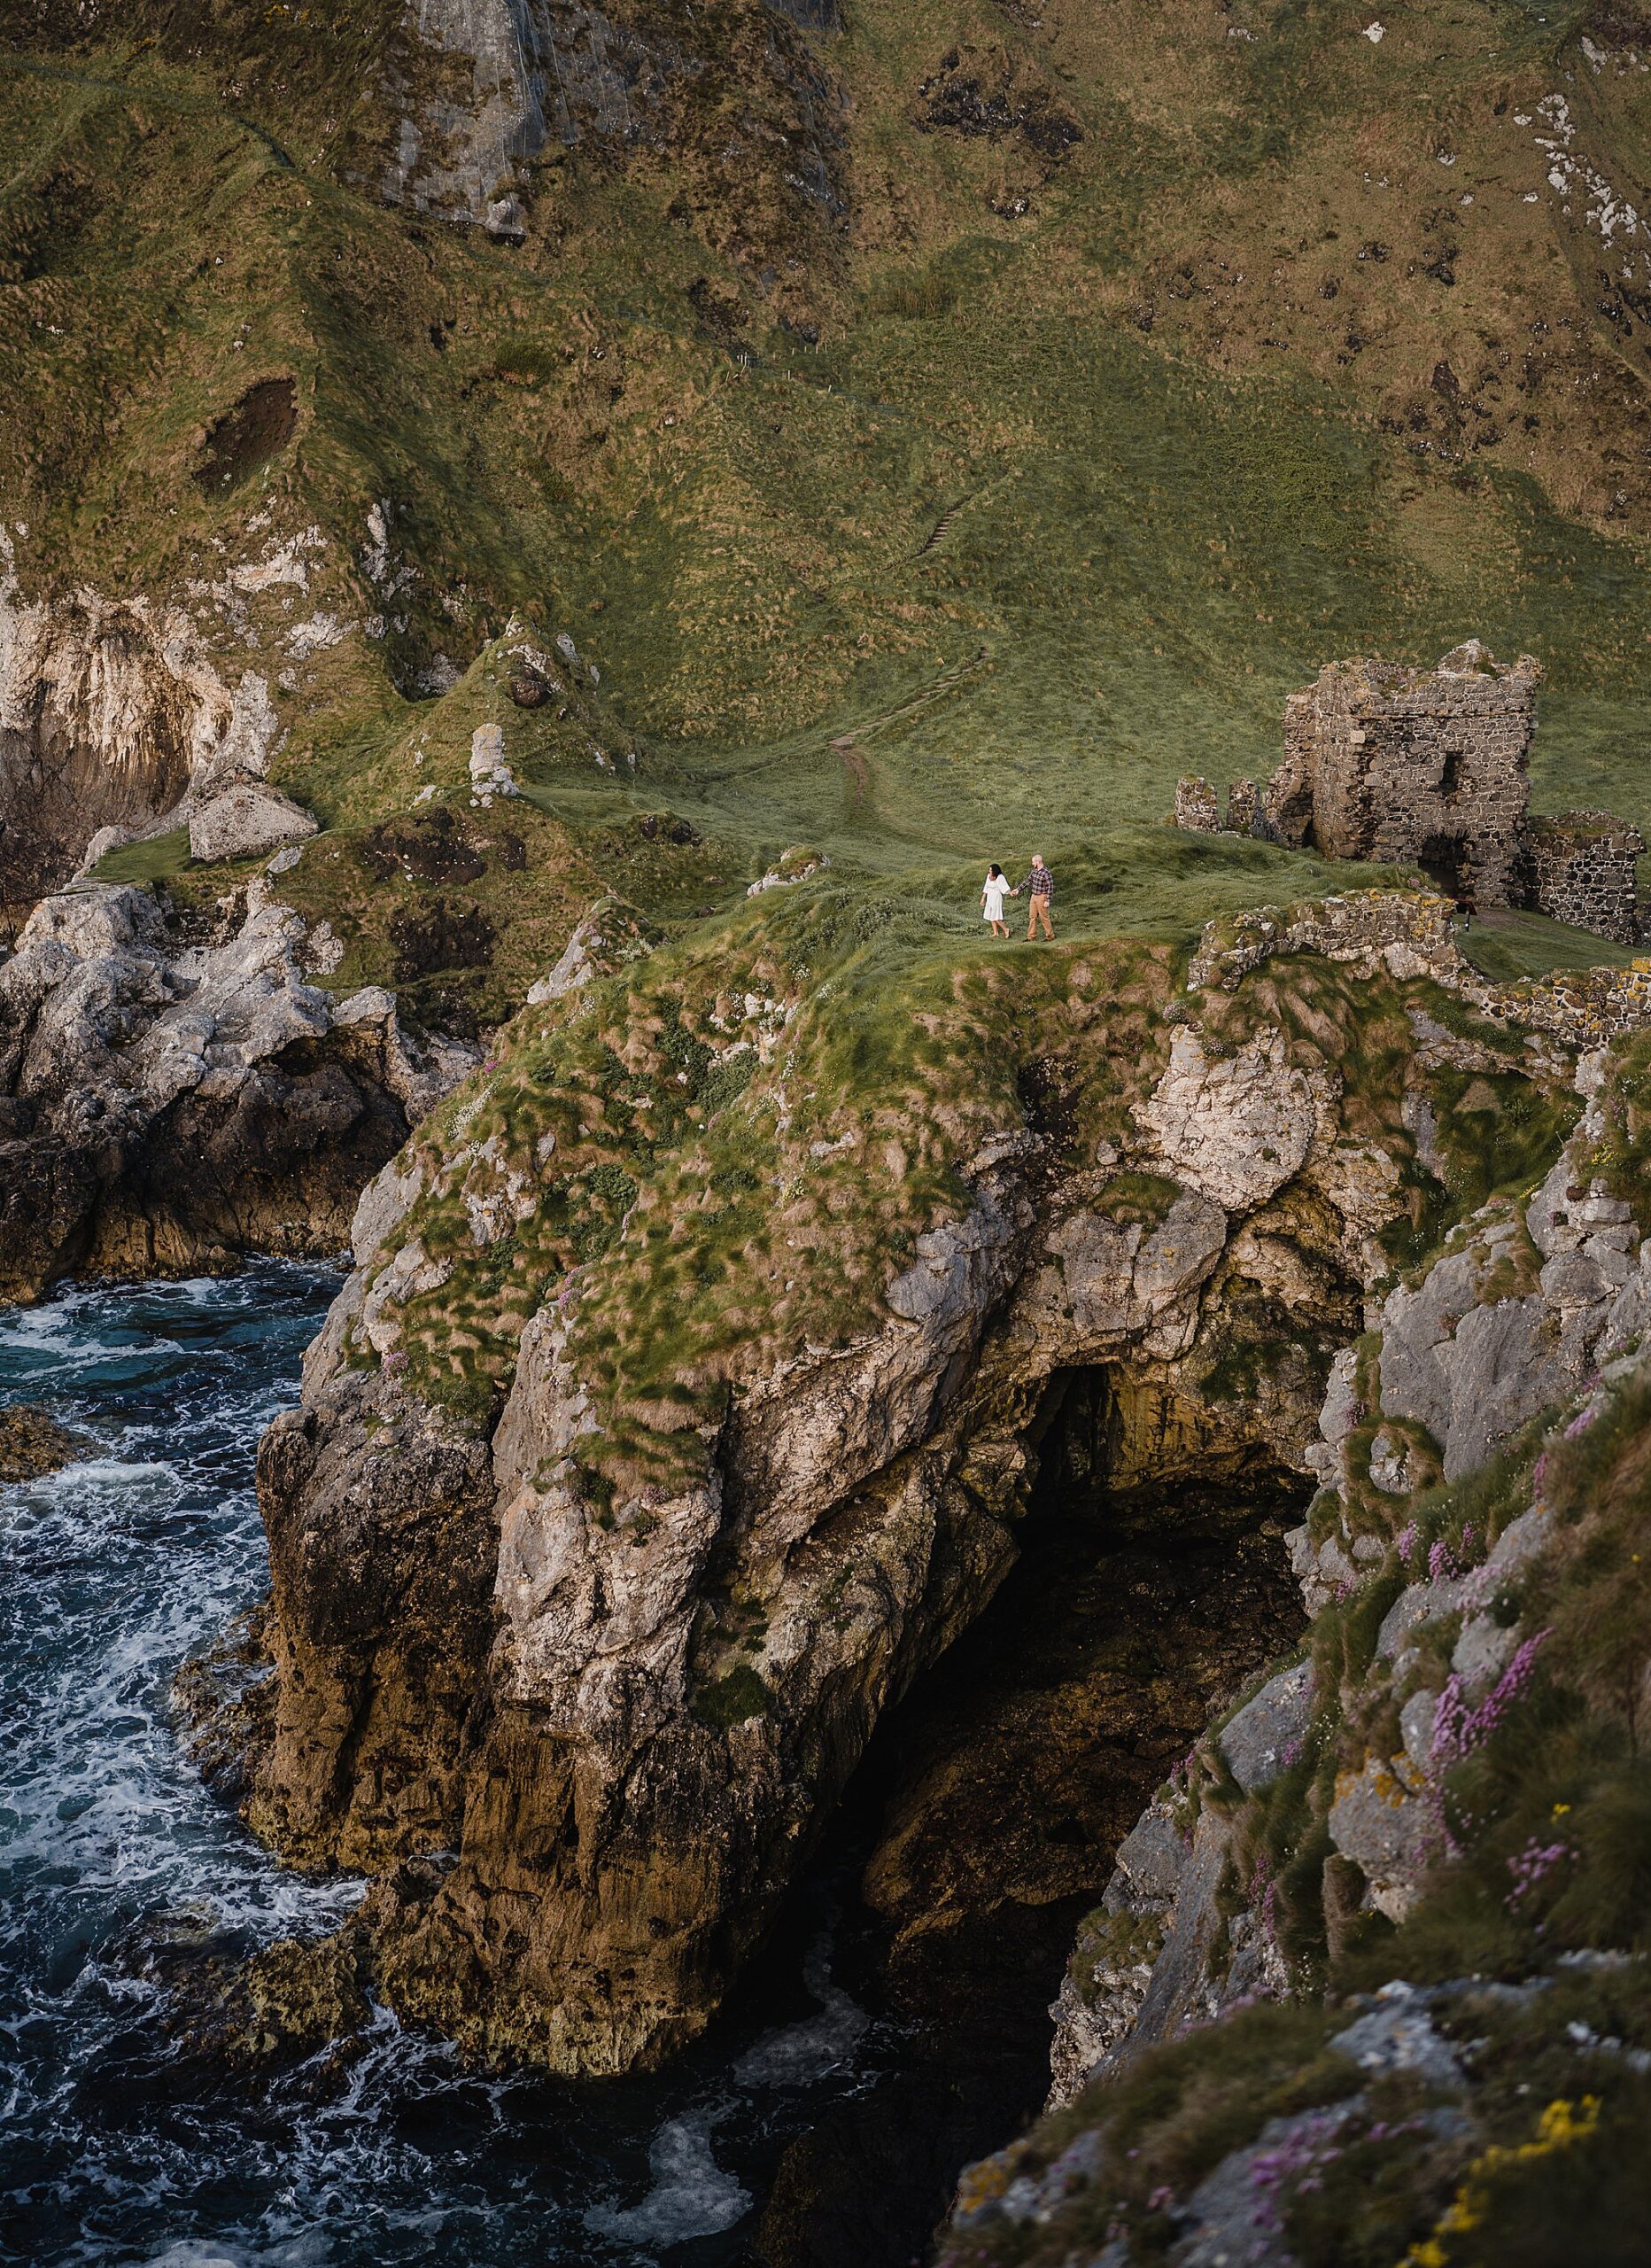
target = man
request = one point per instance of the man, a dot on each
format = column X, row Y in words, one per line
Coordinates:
column 1041, row 883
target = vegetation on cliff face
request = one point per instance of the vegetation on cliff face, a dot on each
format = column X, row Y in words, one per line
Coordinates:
column 1453, row 2071
column 1534, row 1917
column 832, row 451
column 715, row 1154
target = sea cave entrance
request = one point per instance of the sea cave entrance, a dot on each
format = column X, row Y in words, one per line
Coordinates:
column 981, row 1824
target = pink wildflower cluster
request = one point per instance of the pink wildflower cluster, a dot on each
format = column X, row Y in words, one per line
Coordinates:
column 1458, row 1730
column 1443, row 1566
column 1264, row 1894
column 1584, row 1418
column 1530, row 1866
column 1298, row 2163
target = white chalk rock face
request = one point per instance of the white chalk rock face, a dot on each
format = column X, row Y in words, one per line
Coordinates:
column 1235, row 1128
column 245, row 820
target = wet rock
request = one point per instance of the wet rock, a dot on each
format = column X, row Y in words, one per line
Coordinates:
column 254, row 2019
column 33, row 1443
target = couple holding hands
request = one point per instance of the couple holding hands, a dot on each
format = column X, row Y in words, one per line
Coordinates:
column 1041, row 884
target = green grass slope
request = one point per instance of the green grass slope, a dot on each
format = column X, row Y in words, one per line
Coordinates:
column 937, row 435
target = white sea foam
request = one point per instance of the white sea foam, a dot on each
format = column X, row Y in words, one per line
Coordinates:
column 796, row 2055
column 112, row 1850
column 690, row 2196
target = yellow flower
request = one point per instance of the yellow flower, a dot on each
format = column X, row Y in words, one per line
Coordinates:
column 1560, row 2124
column 1560, row 1810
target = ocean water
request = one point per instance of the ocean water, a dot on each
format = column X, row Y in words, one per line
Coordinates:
column 118, row 2147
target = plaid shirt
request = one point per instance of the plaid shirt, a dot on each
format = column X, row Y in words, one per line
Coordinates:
column 1040, row 881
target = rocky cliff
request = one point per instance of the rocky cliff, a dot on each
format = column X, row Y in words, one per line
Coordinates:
column 167, row 1103
column 1368, row 1974
column 609, row 1528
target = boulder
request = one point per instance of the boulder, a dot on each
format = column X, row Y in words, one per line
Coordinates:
column 1257, row 1743
column 1235, row 1128
column 246, row 821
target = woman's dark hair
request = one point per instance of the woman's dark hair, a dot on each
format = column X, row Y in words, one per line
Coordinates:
column 992, row 867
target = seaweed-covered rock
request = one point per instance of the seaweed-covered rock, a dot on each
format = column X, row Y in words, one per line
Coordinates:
column 33, row 1442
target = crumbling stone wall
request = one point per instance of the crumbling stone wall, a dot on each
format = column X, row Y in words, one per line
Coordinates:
column 1430, row 768
column 1582, row 871
column 1244, row 815
column 1408, row 934
column 1415, row 766
column 1196, row 806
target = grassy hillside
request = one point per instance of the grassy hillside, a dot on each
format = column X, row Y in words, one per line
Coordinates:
column 1034, row 396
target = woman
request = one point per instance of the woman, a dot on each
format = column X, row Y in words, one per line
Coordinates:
column 992, row 896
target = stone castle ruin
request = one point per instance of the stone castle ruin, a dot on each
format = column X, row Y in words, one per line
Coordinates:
column 1430, row 768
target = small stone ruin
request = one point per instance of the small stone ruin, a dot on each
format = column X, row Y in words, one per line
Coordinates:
column 1430, row 768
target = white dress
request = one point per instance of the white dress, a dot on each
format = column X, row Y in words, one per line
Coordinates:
column 992, row 901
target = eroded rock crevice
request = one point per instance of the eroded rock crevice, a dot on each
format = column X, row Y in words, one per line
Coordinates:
column 982, row 1821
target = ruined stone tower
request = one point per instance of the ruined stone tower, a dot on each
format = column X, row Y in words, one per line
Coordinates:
column 1430, row 768
column 1410, row 766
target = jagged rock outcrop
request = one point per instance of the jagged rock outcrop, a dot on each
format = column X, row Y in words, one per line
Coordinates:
column 165, row 1105
column 1515, row 1319
column 112, row 711
column 1451, row 1748
column 681, row 1672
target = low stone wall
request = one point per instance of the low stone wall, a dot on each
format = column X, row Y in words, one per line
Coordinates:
column 1583, row 871
column 1408, row 933
column 1582, row 1006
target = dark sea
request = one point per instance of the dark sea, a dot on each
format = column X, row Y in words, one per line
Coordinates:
column 116, row 2145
